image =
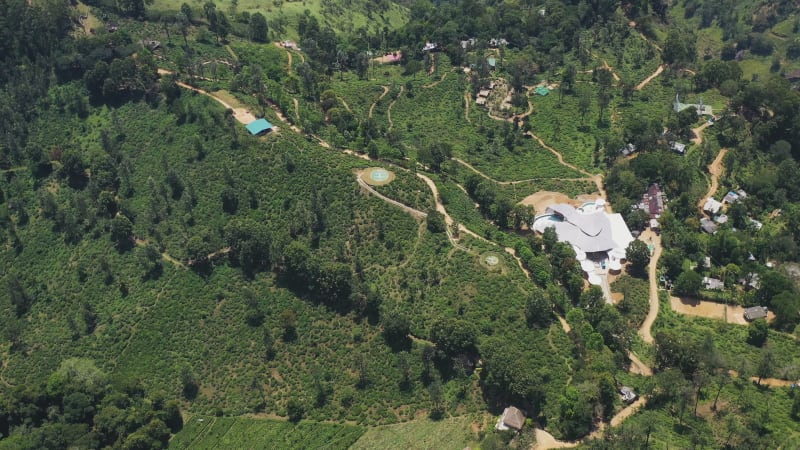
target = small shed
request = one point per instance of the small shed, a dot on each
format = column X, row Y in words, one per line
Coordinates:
column 492, row 61
column 480, row 101
column 259, row 126
column 627, row 394
column 513, row 418
column 720, row 219
column 677, row 147
column 730, row 197
column 713, row 284
column 542, row 90
column 708, row 225
column 755, row 312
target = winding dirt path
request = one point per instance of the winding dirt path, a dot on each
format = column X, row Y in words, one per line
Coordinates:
column 164, row 255
column 296, row 108
column 652, row 238
column 611, row 69
column 467, row 102
column 546, row 441
column 447, row 219
column 372, row 106
column 511, row 183
column 344, row 103
column 288, row 54
column 698, row 133
column 242, row 115
column 638, row 367
column 389, row 109
column 715, row 169
column 428, row 86
column 414, row 212
column 650, row 78
column 597, row 179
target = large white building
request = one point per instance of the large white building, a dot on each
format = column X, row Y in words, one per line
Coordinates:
column 598, row 238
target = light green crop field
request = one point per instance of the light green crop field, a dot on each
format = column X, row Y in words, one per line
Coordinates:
column 247, row 432
column 340, row 16
column 447, row 434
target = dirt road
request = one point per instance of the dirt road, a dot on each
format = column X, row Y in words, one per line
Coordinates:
column 650, row 237
column 648, row 79
column 711, row 310
column 716, row 169
column 372, row 106
column 414, row 212
column 698, row 133
column 242, row 115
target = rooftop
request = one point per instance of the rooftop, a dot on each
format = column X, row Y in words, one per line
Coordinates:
column 259, row 126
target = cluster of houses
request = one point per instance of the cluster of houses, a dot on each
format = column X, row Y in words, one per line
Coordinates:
column 714, row 209
column 483, row 93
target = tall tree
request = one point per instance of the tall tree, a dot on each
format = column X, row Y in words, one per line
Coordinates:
column 258, row 27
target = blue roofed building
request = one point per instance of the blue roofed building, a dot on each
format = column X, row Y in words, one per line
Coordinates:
column 259, row 126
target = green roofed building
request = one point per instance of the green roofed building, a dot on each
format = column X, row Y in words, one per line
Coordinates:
column 492, row 62
column 259, row 126
column 541, row 90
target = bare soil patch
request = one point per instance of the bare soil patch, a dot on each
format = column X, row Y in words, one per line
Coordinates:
column 711, row 310
column 542, row 199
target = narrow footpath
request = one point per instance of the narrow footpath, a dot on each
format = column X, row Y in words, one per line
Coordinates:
column 652, row 238
column 715, row 169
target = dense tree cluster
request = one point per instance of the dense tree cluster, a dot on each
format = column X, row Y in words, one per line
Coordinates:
column 80, row 407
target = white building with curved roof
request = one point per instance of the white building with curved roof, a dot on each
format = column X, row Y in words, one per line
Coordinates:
column 594, row 234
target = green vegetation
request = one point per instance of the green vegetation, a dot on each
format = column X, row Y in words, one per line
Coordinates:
column 246, row 432
column 451, row 433
column 157, row 260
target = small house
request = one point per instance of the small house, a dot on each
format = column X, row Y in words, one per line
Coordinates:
column 677, row 147
column 757, row 225
column 430, row 47
column 720, row 219
column 712, row 206
column 492, row 62
column 628, row 149
column 627, row 394
column 469, row 43
column 541, row 90
column 653, row 201
column 654, row 225
column 755, row 312
column 512, row 419
column 497, row 42
column 708, row 225
column 792, row 76
column 751, row 281
column 483, row 93
column 713, row 284
column 480, row 101
column 259, row 126
column 730, row 197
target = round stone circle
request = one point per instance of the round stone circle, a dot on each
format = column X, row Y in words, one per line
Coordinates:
column 491, row 260
column 377, row 176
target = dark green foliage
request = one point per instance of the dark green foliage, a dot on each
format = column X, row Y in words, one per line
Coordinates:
column 638, row 255
column 78, row 396
column 757, row 332
column 122, row 232
column 454, row 337
column 435, row 221
column 396, row 328
column 539, row 309
column 688, row 283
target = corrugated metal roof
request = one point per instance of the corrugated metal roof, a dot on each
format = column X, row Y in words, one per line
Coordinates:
column 258, row 126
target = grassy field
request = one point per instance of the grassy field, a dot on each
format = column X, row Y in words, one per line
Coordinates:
column 282, row 16
column 246, row 432
column 455, row 433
